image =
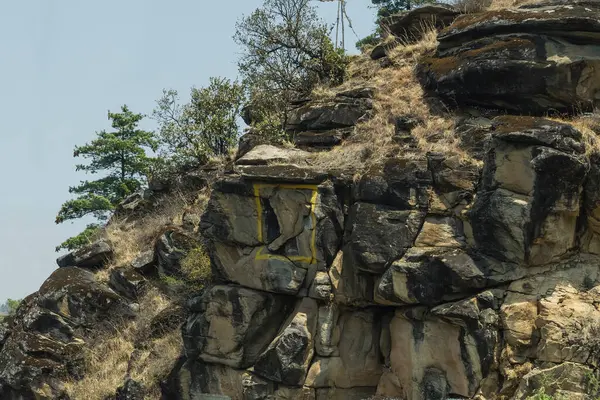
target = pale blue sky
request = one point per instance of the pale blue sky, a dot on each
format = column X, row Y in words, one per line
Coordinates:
column 65, row 63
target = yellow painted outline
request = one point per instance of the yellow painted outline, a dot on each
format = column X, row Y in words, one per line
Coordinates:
column 259, row 225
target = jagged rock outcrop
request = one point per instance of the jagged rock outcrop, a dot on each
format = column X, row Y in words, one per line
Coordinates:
column 435, row 278
column 536, row 59
column 409, row 26
column 93, row 256
column 322, row 124
column 49, row 331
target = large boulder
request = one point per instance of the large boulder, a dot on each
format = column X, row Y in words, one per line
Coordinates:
column 528, row 206
column 323, row 123
column 49, row 331
column 272, row 236
column 92, row 256
column 288, row 357
column 534, row 59
column 234, row 325
column 450, row 351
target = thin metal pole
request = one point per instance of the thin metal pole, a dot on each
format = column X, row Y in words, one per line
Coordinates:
column 337, row 26
column 343, row 10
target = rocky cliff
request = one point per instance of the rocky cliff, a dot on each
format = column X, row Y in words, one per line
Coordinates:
column 438, row 239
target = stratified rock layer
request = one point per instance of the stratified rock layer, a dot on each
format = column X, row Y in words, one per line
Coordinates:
column 535, row 59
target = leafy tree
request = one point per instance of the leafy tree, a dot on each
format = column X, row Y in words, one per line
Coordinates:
column 121, row 155
column 10, row 306
column 204, row 127
column 286, row 52
column 386, row 8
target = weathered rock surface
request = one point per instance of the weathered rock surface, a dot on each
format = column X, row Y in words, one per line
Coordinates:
column 324, row 123
column 533, row 59
column 234, row 325
column 46, row 337
column 432, row 276
column 92, row 256
column 265, row 154
column 288, row 357
column 409, row 26
column 272, row 236
column 128, row 283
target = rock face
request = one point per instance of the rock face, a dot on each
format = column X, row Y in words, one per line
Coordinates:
column 47, row 335
column 428, row 279
column 534, row 59
column 92, row 256
column 409, row 26
column 432, row 276
column 322, row 124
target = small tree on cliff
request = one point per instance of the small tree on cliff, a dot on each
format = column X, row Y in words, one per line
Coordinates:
column 121, row 155
column 204, row 127
column 286, row 52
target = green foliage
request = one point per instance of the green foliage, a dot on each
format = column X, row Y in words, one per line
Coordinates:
column 204, row 127
column 370, row 40
column 196, row 265
column 286, row 52
column 540, row 394
column 592, row 387
column 121, row 155
column 87, row 236
column 10, row 306
column 386, row 8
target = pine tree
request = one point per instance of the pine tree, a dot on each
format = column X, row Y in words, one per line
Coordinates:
column 121, row 156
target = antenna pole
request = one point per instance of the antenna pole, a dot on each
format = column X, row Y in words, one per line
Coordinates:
column 343, row 11
column 337, row 27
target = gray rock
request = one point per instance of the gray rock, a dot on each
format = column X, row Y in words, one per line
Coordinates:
column 376, row 235
column 131, row 390
column 408, row 25
column 127, row 282
column 171, row 248
column 288, row 357
column 428, row 276
column 235, row 325
column 531, row 187
column 527, row 57
column 265, row 154
column 145, row 262
column 93, row 256
column 320, row 287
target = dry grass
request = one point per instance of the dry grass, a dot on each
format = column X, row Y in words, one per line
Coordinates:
column 589, row 128
column 503, row 4
column 108, row 359
column 129, row 239
column 471, row 6
column 398, row 93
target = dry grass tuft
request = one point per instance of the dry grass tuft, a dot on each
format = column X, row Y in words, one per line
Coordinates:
column 108, row 359
column 398, row 93
column 129, row 239
column 503, row 4
column 589, row 128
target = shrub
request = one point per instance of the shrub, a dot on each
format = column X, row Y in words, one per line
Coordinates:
column 196, row 265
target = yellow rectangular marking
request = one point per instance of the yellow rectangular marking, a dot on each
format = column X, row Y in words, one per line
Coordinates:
column 259, row 224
